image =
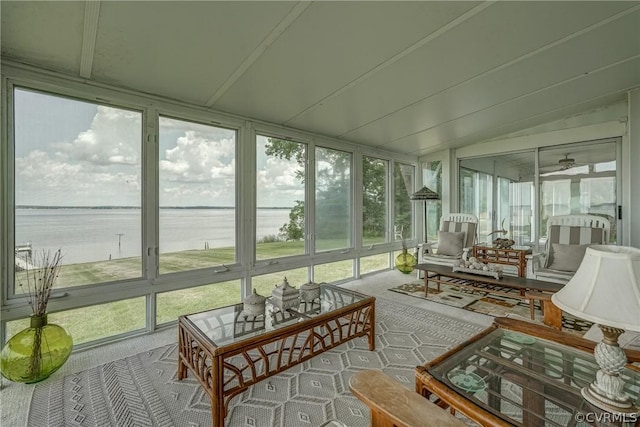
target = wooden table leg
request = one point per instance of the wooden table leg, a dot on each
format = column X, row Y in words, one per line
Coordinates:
column 218, row 410
column 426, row 283
column 552, row 314
column 372, row 327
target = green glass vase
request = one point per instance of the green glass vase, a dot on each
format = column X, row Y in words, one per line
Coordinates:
column 36, row 352
column 405, row 262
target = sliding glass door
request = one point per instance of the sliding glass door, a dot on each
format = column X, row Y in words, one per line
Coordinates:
column 573, row 179
column 499, row 191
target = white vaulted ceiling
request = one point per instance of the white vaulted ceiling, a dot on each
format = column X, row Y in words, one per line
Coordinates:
column 411, row 77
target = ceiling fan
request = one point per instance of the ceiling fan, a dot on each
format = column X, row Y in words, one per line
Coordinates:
column 567, row 162
column 564, row 163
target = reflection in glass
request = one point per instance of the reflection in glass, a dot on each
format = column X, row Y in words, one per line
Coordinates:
column 404, row 187
column 333, row 199
column 579, row 179
column 374, row 200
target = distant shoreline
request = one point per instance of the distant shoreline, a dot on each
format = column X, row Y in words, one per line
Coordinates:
column 138, row 207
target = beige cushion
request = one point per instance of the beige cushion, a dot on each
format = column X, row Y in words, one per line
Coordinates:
column 566, row 257
column 450, row 243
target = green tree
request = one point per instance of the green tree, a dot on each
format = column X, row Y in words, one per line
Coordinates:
column 293, row 230
column 288, row 150
column 332, row 188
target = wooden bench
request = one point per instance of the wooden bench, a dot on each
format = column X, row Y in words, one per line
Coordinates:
column 394, row 405
column 435, row 273
column 529, row 289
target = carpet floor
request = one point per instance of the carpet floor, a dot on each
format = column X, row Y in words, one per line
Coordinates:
column 143, row 389
column 481, row 300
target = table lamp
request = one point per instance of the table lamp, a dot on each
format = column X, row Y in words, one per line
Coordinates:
column 425, row 194
column 606, row 290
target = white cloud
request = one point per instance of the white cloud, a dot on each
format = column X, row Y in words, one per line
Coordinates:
column 199, row 168
column 43, row 180
column 196, row 158
column 101, row 166
column 277, row 184
column 115, row 137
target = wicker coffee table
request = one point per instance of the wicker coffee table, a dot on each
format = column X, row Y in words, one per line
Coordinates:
column 228, row 351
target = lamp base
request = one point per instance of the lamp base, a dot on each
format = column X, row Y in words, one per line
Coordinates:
column 614, row 406
column 606, row 391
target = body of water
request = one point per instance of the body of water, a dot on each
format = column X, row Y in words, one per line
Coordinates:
column 87, row 235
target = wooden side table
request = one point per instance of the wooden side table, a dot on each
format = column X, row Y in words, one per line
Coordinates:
column 515, row 256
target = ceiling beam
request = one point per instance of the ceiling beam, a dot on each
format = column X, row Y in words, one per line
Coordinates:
column 417, row 45
column 506, row 65
column 259, row 50
column 89, row 35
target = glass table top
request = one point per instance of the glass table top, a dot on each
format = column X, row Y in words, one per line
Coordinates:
column 230, row 324
column 525, row 380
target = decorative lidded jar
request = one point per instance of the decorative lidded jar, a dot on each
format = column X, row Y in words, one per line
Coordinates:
column 254, row 304
column 309, row 292
column 285, row 296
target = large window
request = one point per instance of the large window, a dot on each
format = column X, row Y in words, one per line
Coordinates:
column 499, row 190
column 375, row 179
column 280, row 197
column 579, row 179
column 77, row 188
column 197, row 194
column 573, row 179
column 333, row 199
column 152, row 206
column 476, row 197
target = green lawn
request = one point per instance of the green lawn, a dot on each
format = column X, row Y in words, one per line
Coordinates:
column 99, row 321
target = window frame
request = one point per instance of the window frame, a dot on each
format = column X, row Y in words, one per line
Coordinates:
column 269, row 133
column 9, row 296
column 237, row 200
column 150, row 283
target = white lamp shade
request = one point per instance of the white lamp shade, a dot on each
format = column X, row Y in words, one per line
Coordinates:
column 606, row 288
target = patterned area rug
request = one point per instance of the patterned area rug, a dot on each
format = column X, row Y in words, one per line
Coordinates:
column 143, row 390
column 482, row 301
